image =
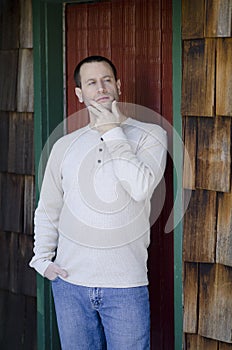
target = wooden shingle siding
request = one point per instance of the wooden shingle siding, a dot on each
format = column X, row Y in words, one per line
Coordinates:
column 207, row 241
column 14, row 273
column 190, row 297
column 4, row 140
column 16, row 327
column 9, row 24
column 223, row 78
column 29, row 205
column 200, row 227
column 25, row 37
column 224, row 229
column 218, row 18
column 193, row 19
column 196, row 342
column 8, row 81
column 21, row 150
column 198, row 95
column 213, row 154
column 17, row 188
column 215, row 302
column 25, row 87
column 11, row 215
column 189, row 138
column 224, row 346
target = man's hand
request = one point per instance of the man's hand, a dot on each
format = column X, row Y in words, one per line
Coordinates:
column 53, row 271
column 103, row 119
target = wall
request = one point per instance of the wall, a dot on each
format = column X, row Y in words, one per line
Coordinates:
column 207, row 111
column 17, row 280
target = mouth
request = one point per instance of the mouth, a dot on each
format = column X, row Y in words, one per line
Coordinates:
column 103, row 99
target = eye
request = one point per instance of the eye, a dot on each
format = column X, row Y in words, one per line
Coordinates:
column 91, row 83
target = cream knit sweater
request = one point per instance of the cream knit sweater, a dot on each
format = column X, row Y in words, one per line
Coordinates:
column 93, row 214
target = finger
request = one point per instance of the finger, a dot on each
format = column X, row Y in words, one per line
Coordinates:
column 95, row 111
column 99, row 107
column 62, row 272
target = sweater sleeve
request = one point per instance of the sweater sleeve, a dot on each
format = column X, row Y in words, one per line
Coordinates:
column 47, row 216
column 140, row 171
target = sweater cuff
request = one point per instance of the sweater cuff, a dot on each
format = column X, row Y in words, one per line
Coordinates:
column 39, row 266
column 114, row 134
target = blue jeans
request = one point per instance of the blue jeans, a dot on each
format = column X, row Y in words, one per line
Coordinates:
column 102, row 318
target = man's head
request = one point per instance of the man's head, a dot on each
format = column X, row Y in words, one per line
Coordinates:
column 96, row 79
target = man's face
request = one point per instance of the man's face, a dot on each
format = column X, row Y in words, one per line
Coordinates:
column 98, row 84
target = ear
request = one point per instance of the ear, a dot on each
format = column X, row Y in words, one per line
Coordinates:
column 118, row 83
column 78, row 93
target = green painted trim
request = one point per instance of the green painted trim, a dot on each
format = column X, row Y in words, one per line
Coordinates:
column 48, row 112
column 178, row 158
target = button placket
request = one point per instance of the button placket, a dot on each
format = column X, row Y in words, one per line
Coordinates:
column 100, row 152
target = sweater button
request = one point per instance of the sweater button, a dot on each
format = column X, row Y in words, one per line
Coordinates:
column 100, row 149
column 99, row 161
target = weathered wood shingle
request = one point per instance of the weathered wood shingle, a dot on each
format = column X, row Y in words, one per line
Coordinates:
column 215, row 304
column 214, row 154
column 21, row 144
column 224, row 229
column 223, row 77
column 8, row 81
column 198, row 95
column 200, row 227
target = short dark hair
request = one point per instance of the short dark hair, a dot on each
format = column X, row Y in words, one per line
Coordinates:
column 90, row 59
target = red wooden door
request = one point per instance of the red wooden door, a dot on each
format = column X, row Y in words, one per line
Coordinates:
column 137, row 36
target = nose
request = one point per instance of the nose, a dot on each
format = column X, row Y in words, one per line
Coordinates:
column 101, row 87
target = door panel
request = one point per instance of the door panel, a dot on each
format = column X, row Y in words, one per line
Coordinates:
column 137, row 37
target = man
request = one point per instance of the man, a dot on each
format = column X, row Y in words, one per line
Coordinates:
column 92, row 219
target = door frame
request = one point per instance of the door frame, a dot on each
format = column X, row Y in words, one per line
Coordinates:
column 49, row 112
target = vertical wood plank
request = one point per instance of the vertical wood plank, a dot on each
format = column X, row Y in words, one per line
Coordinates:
column 123, row 46
column 8, row 81
column 195, row 342
column 193, row 19
column 76, row 37
column 223, row 78
column 4, row 140
column 218, row 18
column 99, row 29
column 198, row 77
column 166, row 52
column 215, row 303
column 190, row 140
column 21, row 144
column 190, row 297
column 148, row 23
column 25, row 89
column 199, row 227
column 224, row 231
column 213, row 154
column 25, row 37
